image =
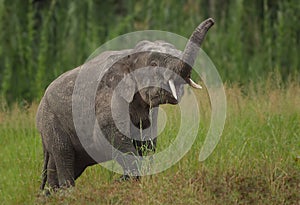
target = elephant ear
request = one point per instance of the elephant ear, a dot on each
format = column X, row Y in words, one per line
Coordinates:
column 125, row 82
column 127, row 88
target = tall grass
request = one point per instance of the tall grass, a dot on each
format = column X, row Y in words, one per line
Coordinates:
column 20, row 155
column 41, row 39
column 254, row 163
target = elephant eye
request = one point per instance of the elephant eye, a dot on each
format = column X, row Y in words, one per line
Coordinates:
column 153, row 63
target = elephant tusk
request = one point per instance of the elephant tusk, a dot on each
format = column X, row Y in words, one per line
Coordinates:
column 173, row 89
column 194, row 85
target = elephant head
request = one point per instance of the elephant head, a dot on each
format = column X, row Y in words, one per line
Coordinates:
column 167, row 69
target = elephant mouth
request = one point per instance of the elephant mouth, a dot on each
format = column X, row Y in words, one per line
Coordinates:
column 158, row 100
column 171, row 100
column 175, row 102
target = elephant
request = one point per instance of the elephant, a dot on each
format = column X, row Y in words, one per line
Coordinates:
column 65, row 154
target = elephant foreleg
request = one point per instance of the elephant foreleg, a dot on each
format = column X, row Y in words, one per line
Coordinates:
column 127, row 157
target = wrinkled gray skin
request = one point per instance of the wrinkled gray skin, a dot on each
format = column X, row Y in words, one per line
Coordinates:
column 64, row 156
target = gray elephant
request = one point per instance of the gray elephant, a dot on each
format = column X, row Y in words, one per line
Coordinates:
column 124, row 106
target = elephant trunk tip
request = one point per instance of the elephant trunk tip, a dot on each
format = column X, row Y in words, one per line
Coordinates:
column 198, row 35
column 211, row 20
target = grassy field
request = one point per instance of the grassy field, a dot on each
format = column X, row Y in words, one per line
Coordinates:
column 256, row 161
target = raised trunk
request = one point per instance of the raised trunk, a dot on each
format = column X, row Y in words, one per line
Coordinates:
column 193, row 45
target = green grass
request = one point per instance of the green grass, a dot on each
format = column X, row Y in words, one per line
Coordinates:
column 254, row 163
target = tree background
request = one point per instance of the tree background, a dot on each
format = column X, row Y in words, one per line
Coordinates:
column 40, row 39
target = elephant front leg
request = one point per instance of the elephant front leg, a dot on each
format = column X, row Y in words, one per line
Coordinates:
column 126, row 155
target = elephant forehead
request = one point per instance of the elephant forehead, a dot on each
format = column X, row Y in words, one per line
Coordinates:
column 158, row 46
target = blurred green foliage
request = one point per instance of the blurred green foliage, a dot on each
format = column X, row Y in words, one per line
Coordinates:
column 40, row 39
